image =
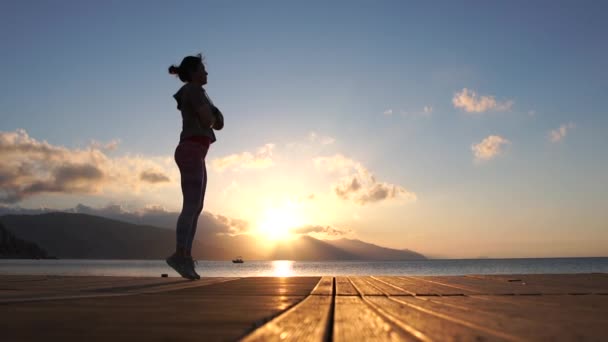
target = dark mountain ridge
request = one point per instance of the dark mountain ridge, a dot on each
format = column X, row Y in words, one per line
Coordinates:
column 83, row 236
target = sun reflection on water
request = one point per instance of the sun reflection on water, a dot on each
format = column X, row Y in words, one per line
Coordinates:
column 282, row 268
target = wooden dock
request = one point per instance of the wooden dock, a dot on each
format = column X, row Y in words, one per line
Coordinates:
column 369, row 308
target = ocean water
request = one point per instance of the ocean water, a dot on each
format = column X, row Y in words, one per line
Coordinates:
column 287, row 268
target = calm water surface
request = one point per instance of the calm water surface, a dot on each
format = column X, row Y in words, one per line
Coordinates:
column 154, row 268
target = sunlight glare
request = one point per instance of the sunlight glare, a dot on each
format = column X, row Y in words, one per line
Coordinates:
column 282, row 268
column 276, row 223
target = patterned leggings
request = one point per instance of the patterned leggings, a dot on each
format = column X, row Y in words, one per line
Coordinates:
column 190, row 159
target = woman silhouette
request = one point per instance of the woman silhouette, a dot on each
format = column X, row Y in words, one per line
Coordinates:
column 199, row 118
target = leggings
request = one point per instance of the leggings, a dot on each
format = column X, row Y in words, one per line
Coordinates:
column 190, row 159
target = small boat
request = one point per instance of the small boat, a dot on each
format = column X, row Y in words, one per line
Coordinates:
column 238, row 260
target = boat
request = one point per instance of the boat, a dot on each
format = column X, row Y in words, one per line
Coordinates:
column 238, row 260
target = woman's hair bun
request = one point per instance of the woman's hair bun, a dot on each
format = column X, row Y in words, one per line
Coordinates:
column 188, row 65
column 173, row 70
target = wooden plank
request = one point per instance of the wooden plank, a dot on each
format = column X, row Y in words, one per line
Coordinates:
column 558, row 283
column 423, row 287
column 262, row 286
column 520, row 325
column 486, row 286
column 300, row 308
column 385, row 284
column 65, row 284
column 355, row 321
column 309, row 320
column 324, row 287
column 594, row 304
column 155, row 317
column 344, row 287
column 189, row 314
column 519, row 306
column 365, row 287
column 430, row 325
column 23, row 297
column 436, row 328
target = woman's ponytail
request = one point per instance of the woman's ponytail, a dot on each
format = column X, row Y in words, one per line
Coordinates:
column 173, row 70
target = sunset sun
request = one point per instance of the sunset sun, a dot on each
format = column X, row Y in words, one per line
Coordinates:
column 275, row 224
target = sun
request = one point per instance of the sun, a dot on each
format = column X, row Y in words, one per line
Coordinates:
column 275, row 224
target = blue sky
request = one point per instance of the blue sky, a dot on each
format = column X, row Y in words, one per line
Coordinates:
column 348, row 78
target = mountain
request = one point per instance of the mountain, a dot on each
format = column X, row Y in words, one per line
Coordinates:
column 83, row 236
column 368, row 251
column 309, row 248
column 15, row 248
column 76, row 236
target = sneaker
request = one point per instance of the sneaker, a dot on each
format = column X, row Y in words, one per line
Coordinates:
column 191, row 262
column 180, row 265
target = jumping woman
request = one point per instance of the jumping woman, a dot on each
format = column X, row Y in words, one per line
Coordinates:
column 199, row 118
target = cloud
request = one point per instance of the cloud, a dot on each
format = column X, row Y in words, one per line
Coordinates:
column 224, row 225
column 388, row 112
column 323, row 140
column 425, row 112
column 153, row 177
column 304, row 198
column 233, row 186
column 110, row 146
column 30, row 167
column 558, row 134
column 327, row 230
column 359, row 184
column 489, row 147
column 260, row 160
column 470, row 102
column 347, row 186
column 156, row 215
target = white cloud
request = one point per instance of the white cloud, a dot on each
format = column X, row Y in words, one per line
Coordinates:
column 489, row 147
column 323, row 140
column 470, row 102
column 317, row 229
column 261, row 159
column 559, row 133
column 234, row 186
column 357, row 183
column 112, row 145
column 154, row 176
column 425, row 112
column 388, row 112
column 30, row 167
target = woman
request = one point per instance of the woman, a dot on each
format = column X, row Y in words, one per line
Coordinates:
column 199, row 118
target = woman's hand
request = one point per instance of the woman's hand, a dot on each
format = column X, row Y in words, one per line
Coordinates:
column 219, row 119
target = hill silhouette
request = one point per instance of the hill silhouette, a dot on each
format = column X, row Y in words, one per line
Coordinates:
column 83, row 236
column 15, row 248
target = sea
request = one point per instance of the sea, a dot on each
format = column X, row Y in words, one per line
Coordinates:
column 289, row 268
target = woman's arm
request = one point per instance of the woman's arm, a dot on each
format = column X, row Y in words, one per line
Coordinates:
column 205, row 115
column 200, row 105
column 219, row 119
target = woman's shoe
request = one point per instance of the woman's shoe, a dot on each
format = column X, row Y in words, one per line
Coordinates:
column 181, row 265
column 191, row 262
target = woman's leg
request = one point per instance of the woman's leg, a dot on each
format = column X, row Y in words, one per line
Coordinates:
column 200, row 210
column 190, row 162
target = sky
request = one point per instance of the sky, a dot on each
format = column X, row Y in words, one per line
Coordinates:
column 458, row 129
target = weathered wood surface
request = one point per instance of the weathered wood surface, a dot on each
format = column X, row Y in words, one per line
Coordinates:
column 211, row 309
column 362, row 308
